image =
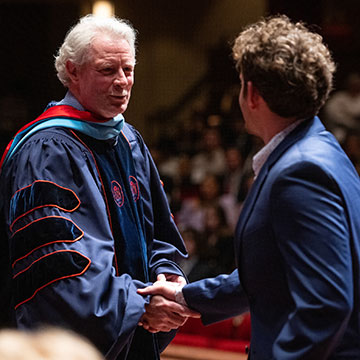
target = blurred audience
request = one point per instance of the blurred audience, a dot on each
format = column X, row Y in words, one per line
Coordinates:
column 219, row 243
column 196, row 266
column 192, row 210
column 342, row 110
column 233, row 171
column 211, row 158
column 351, row 146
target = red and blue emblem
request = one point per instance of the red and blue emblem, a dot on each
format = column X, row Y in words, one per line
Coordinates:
column 134, row 186
column 117, row 193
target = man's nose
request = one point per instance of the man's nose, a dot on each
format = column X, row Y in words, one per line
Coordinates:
column 120, row 79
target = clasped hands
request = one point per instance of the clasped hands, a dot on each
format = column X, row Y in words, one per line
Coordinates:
column 163, row 313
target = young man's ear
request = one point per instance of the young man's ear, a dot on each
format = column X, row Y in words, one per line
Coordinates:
column 253, row 95
column 72, row 71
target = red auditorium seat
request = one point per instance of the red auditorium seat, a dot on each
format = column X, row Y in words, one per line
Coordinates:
column 228, row 335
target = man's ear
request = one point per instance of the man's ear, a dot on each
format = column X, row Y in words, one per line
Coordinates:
column 73, row 71
column 253, row 95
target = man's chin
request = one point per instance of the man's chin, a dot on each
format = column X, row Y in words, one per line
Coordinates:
column 113, row 113
column 118, row 109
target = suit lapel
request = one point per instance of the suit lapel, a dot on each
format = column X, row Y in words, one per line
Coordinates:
column 306, row 128
column 249, row 205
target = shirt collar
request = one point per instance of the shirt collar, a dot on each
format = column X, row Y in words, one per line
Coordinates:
column 260, row 157
column 71, row 100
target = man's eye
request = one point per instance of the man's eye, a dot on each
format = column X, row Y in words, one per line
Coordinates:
column 107, row 71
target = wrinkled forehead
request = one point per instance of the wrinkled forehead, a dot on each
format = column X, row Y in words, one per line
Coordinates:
column 106, row 46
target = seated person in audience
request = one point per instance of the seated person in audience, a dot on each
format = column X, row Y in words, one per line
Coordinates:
column 192, row 211
column 196, row 266
column 342, row 110
column 211, row 159
column 218, row 248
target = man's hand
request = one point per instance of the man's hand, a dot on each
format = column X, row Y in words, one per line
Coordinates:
column 177, row 279
column 164, row 315
column 163, row 287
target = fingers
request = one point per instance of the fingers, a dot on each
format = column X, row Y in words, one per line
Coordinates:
column 162, row 328
column 180, row 280
column 165, row 285
column 190, row 313
column 165, row 315
column 176, row 308
column 162, row 315
column 167, row 290
column 161, row 277
column 163, row 288
column 153, row 290
column 153, row 325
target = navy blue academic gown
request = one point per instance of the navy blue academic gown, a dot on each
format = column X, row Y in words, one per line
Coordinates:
column 87, row 224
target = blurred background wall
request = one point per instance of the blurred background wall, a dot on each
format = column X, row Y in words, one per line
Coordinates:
column 184, row 52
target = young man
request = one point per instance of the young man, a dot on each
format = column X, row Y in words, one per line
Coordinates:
column 298, row 236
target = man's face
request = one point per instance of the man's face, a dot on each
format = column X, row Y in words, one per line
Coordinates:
column 103, row 84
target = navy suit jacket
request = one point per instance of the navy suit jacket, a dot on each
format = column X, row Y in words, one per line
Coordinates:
column 298, row 254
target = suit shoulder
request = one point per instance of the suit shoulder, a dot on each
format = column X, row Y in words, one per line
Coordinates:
column 321, row 151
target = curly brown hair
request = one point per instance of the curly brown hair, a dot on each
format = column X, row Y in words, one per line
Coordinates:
column 289, row 65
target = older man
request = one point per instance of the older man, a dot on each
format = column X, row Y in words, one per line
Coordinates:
column 298, row 236
column 86, row 217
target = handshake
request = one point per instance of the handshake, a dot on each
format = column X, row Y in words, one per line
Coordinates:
column 166, row 310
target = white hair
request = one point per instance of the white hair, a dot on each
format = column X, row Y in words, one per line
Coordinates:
column 79, row 38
